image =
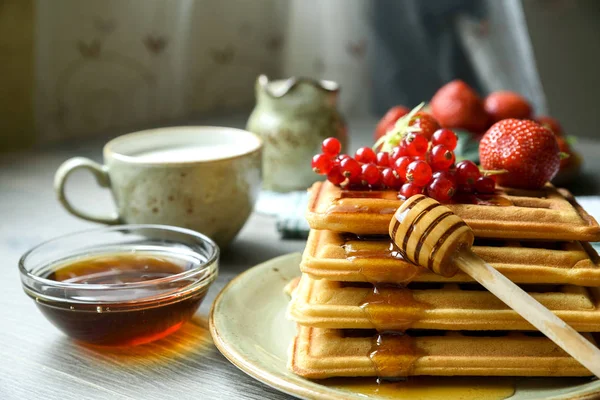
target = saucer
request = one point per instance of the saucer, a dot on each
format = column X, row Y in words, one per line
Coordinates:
column 249, row 326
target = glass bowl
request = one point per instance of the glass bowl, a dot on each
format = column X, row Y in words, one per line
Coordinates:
column 120, row 285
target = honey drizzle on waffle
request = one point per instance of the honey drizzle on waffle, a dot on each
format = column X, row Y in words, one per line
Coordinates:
column 382, row 305
column 393, row 355
column 356, row 247
column 348, row 257
column 545, row 214
column 361, row 248
column 326, row 353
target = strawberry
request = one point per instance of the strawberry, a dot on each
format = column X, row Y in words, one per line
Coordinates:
column 526, row 149
column 389, row 119
column 551, row 123
column 504, row 104
column 564, row 148
column 456, row 105
column 426, row 123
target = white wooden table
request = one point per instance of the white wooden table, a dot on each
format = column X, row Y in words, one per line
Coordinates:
column 39, row 362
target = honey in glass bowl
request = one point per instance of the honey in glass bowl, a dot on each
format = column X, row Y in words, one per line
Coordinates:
column 124, row 285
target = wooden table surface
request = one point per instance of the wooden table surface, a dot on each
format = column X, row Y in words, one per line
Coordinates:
column 39, row 362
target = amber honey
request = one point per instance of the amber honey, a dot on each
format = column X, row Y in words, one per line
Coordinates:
column 429, row 387
column 129, row 309
column 384, row 298
column 394, row 355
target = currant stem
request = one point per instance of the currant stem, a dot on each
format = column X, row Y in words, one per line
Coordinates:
column 401, row 128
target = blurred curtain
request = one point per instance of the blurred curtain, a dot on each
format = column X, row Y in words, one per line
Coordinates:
column 131, row 63
column 500, row 49
column 79, row 68
column 417, row 49
column 332, row 40
column 420, row 45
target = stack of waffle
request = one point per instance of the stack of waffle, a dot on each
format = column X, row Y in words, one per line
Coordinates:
column 362, row 310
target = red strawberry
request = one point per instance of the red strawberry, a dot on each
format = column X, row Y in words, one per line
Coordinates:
column 551, row 123
column 564, row 148
column 527, row 150
column 504, row 104
column 389, row 119
column 456, row 105
column 426, row 123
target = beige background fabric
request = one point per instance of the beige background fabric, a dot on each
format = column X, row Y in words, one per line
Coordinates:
column 131, row 63
column 116, row 63
column 76, row 69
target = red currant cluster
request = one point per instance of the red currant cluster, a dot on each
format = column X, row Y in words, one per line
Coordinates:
column 414, row 166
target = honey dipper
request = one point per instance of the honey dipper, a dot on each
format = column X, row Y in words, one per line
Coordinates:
column 432, row 236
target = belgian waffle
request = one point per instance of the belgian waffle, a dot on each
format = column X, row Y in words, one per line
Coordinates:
column 445, row 306
column 545, row 214
column 324, row 353
column 345, row 257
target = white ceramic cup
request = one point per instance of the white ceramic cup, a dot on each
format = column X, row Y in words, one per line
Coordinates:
column 198, row 177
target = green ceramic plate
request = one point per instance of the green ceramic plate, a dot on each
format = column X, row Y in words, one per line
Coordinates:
column 249, row 327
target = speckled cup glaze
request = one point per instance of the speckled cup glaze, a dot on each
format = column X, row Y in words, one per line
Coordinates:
column 214, row 197
column 293, row 117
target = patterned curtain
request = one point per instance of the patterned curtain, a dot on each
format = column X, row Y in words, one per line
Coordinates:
column 78, row 69
column 132, row 63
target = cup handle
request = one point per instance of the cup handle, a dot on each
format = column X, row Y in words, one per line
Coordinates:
column 100, row 172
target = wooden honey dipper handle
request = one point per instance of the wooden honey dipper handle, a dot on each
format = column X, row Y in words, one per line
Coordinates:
column 432, row 236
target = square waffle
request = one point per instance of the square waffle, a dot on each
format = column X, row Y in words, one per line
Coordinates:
column 345, row 257
column 447, row 306
column 325, row 353
column 545, row 214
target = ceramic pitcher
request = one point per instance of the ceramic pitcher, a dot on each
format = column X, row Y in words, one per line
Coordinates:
column 293, row 117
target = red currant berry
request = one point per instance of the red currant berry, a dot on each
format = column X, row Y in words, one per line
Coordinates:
column 441, row 189
column 390, row 178
column 350, row 168
column 335, row 175
column 321, row 164
column 400, row 166
column 467, row 172
column 383, row 159
column 419, row 173
column 354, row 183
column 415, row 144
column 341, row 158
column 426, row 123
column 331, row 146
column 485, row 185
column 466, row 198
column 450, row 175
column 408, row 190
column 365, row 155
column 441, row 157
column 464, row 188
column 446, row 137
column 370, row 174
column 397, row 152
